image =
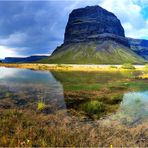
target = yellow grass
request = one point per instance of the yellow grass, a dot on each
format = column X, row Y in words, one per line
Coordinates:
column 69, row 67
column 144, row 76
column 41, row 105
column 24, row 128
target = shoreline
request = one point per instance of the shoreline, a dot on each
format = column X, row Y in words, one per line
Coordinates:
column 71, row 67
column 26, row 121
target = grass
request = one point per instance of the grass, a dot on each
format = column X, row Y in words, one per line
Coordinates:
column 144, row 76
column 115, row 99
column 128, row 66
column 89, row 53
column 87, row 94
column 136, row 85
column 72, row 67
column 102, row 102
column 113, row 66
column 82, row 87
column 41, row 105
column 146, row 66
column 93, row 108
column 24, row 128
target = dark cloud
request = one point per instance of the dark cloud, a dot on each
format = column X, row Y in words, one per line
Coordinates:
column 37, row 27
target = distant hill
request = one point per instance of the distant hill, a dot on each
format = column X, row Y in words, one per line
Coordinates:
column 94, row 35
column 139, row 46
column 30, row 59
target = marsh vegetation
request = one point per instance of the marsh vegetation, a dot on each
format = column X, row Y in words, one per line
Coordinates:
column 60, row 107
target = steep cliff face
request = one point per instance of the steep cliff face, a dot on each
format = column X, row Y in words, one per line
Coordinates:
column 94, row 36
column 139, row 46
column 88, row 23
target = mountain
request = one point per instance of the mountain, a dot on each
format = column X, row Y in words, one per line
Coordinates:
column 88, row 23
column 23, row 60
column 94, row 35
column 139, row 46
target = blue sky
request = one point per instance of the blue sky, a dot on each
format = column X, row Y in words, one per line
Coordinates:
column 37, row 27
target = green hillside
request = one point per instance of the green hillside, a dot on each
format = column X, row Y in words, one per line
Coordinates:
column 108, row 52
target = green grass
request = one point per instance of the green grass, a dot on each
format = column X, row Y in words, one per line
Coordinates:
column 146, row 66
column 87, row 53
column 131, row 85
column 41, row 105
column 112, row 66
column 93, row 108
column 85, row 86
column 95, row 81
column 138, row 85
column 114, row 99
column 88, row 96
column 128, row 66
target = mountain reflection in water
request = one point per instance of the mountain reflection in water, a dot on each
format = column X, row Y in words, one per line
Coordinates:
column 35, row 85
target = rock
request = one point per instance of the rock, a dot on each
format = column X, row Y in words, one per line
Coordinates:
column 139, row 46
column 92, row 23
column 94, row 35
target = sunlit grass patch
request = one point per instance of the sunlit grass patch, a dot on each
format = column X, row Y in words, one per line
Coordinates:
column 93, row 107
column 144, row 76
column 128, row 66
column 146, row 66
column 113, row 67
column 41, row 105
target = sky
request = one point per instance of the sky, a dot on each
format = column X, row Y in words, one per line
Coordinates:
column 37, row 27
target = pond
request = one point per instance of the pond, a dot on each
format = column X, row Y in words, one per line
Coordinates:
column 27, row 86
column 59, row 108
column 134, row 108
column 94, row 94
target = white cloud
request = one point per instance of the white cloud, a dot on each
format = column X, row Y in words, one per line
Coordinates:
column 144, row 3
column 7, row 73
column 13, row 39
column 73, row 5
column 129, row 13
column 7, row 51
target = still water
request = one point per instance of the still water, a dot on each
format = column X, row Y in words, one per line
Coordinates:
column 28, row 87
column 31, row 86
column 134, row 108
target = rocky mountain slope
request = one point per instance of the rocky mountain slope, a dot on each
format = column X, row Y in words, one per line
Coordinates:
column 139, row 46
column 94, row 36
